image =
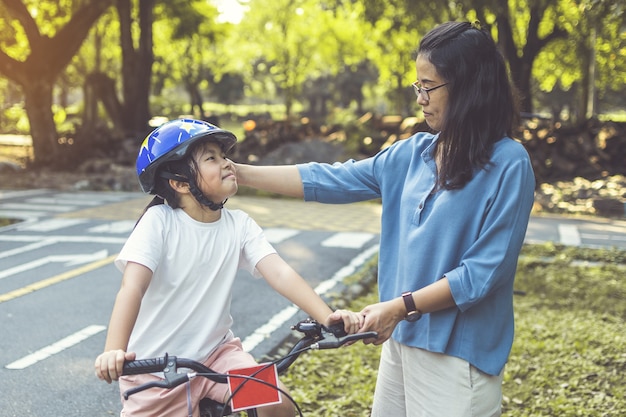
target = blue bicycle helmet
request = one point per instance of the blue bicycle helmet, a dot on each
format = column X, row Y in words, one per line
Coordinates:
column 170, row 142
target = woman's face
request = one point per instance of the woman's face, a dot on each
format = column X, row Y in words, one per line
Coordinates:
column 434, row 107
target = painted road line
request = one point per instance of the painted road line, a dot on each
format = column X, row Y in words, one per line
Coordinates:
column 56, row 279
column 69, row 260
column 119, row 227
column 27, row 248
column 569, row 235
column 19, row 214
column 278, row 320
column 21, row 193
column 276, row 235
column 64, row 239
column 35, row 207
column 55, row 348
column 62, row 201
column 50, row 225
column 350, row 240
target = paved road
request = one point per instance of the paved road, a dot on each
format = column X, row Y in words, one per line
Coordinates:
column 57, row 286
column 57, row 282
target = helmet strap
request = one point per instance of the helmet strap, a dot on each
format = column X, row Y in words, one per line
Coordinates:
column 195, row 191
column 202, row 199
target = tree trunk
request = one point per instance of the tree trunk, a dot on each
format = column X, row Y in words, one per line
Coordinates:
column 136, row 65
column 38, row 103
column 521, row 65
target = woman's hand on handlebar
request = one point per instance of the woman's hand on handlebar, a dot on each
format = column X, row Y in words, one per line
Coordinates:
column 109, row 365
column 381, row 318
column 352, row 321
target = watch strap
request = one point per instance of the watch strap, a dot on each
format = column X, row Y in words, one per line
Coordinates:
column 409, row 303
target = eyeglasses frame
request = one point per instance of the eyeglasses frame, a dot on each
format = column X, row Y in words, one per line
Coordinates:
column 417, row 87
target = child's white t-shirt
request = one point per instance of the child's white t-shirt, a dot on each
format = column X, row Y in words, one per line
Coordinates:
column 186, row 309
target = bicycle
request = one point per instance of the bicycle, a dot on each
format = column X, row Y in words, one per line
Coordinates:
column 316, row 337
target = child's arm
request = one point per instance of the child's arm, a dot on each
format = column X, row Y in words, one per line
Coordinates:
column 110, row 363
column 287, row 282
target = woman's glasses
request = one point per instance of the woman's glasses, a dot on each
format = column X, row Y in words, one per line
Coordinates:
column 424, row 91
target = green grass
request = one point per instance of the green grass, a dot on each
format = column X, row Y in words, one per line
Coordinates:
column 568, row 359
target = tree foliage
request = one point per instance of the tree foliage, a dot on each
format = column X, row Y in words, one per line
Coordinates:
column 38, row 40
column 139, row 56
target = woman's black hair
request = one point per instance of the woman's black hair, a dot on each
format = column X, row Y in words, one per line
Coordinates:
column 482, row 105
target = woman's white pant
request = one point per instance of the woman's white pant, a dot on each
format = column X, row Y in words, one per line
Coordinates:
column 414, row 382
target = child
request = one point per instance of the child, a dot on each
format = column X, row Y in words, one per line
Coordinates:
column 179, row 265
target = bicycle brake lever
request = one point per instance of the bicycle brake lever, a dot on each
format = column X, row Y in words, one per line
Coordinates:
column 168, row 383
column 340, row 341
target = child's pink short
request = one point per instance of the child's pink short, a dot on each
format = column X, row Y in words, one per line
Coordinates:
column 163, row 402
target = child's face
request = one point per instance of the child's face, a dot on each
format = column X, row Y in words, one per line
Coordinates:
column 216, row 176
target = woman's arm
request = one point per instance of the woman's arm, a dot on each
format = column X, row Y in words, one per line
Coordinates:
column 287, row 282
column 282, row 179
column 110, row 363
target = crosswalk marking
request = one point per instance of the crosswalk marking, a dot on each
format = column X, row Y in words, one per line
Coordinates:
column 57, row 208
column 275, row 235
column 62, row 201
column 569, row 235
column 21, row 214
column 351, row 240
column 124, row 226
column 50, row 225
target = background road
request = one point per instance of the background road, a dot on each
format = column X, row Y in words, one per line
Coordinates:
column 58, row 284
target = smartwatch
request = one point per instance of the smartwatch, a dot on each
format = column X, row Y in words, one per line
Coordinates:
column 412, row 313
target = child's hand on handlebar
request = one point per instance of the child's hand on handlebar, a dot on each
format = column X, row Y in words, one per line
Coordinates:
column 109, row 365
column 352, row 321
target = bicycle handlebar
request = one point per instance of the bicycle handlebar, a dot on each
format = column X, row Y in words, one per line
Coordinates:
column 316, row 336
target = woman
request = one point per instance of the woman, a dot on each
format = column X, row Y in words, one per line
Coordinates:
column 456, row 206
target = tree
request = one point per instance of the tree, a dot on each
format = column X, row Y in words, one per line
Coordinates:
column 187, row 33
column 34, row 51
column 537, row 14
column 136, row 64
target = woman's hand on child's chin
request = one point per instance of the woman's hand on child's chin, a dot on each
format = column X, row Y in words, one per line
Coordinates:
column 109, row 365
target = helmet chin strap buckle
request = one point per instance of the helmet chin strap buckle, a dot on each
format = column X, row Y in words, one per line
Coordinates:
column 202, row 199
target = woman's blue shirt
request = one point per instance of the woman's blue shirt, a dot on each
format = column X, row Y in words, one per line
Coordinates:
column 472, row 236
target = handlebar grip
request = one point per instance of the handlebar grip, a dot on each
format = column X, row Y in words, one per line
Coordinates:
column 144, row 366
column 337, row 329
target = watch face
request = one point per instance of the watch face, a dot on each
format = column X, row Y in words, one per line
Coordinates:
column 413, row 316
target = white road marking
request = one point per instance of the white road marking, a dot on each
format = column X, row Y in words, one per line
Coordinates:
column 124, row 226
column 63, row 239
column 24, row 215
column 27, row 248
column 70, row 260
column 55, row 348
column 62, row 201
column 20, row 193
column 39, row 207
column 351, row 240
column 569, row 235
column 278, row 235
column 50, row 225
